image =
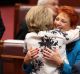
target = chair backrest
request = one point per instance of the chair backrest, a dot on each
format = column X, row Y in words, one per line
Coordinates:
column 20, row 12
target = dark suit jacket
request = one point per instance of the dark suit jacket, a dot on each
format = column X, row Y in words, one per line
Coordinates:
column 2, row 28
column 22, row 31
column 76, row 68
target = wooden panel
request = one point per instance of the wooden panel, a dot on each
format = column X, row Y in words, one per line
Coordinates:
column 12, row 58
column 33, row 2
column 78, row 10
column 75, row 3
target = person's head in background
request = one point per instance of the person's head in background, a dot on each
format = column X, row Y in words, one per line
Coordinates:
column 53, row 4
column 66, row 19
column 39, row 18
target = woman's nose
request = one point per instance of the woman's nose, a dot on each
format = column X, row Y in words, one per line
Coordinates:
column 57, row 7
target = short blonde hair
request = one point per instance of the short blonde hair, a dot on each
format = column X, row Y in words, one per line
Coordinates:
column 42, row 2
column 41, row 16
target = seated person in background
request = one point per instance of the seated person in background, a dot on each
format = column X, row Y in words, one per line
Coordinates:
column 41, row 37
column 53, row 4
column 22, row 31
column 2, row 28
column 76, row 68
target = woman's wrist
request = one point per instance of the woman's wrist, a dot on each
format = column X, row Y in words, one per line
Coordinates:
column 26, row 60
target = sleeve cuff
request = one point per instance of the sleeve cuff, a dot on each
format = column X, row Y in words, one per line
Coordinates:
column 27, row 68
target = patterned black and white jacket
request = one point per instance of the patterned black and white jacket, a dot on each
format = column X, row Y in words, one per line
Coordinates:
column 51, row 39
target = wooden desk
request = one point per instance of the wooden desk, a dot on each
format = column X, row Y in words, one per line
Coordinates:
column 12, row 58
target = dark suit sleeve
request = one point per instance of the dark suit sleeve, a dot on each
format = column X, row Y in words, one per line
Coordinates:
column 2, row 28
column 27, row 68
column 22, row 31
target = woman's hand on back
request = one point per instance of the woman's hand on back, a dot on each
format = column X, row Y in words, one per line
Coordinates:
column 31, row 54
column 52, row 56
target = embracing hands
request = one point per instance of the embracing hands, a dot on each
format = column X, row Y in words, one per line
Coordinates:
column 52, row 56
column 48, row 54
column 31, row 54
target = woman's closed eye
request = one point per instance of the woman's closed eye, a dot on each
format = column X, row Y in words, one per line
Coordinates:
column 63, row 21
column 57, row 19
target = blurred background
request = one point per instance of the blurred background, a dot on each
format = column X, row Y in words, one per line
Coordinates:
column 7, row 8
column 12, row 17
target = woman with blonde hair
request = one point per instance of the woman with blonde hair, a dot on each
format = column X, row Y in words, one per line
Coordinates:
column 39, row 18
column 53, row 4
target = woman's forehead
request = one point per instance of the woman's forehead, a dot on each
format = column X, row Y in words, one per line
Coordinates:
column 63, row 15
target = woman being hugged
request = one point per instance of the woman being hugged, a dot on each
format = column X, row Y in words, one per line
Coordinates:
column 66, row 20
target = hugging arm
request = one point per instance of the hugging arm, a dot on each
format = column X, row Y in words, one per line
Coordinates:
column 72, row 35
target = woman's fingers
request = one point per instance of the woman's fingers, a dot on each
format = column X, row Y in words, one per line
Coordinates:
column 45, row 53
column 34, row 54
column 49, row 50
column 45, row 57
column 34, row 57
column 34, row 51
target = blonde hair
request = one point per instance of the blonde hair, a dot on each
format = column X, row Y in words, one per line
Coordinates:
column 40, row 16
column 42, row 2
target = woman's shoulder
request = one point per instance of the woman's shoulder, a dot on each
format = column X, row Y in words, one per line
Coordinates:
column 77, row 42
column 74, row 48
column 28, row 35
column 77, row 45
